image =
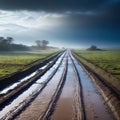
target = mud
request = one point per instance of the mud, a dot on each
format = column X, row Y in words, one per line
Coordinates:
column 95, row 107
column 29, row 93
column 68, row 104
column 24, row 85
column 39, row 106
column 6, row 81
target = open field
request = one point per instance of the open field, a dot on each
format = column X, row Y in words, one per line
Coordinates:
column 12, row 62
column 107, row 60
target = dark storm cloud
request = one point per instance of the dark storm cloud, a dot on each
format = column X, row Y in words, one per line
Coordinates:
column 106, row 16
column 100, row 26
column 107, row 11
column 51, row 5
column 92, row 20
column 102, row 23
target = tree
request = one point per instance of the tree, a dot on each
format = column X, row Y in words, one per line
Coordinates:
column 1, row 38
column 9, row 40
column 6, row 41
column 39, row 43
column 6, row 44
column 93, row 47
column 42, row 44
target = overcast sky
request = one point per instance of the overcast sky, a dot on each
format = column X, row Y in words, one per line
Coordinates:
column 68, row 23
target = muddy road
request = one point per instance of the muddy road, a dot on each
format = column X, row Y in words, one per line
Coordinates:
column 64, row 92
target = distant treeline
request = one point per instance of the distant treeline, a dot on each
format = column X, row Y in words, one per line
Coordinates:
column 6, row 44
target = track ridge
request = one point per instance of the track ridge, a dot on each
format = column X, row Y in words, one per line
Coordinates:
column 83, row 113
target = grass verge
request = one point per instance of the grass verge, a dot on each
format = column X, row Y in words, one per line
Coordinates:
column 96, row 60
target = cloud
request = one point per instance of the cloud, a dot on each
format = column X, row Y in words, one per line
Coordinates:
column 50, row 5
column 30, row 20
column 28, row 26
column 82, row 13
column 68, row 21
column 13, row 27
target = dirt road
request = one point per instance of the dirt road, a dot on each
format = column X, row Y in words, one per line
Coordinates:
column 64, row 92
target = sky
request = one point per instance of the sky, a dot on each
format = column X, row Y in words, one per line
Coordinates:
column 67, row 23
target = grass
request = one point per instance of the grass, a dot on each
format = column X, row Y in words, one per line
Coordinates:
column 107, row 60
column 13, row 62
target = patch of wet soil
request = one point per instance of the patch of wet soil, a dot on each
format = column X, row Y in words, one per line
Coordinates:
column 66, row 108
column 37, row 108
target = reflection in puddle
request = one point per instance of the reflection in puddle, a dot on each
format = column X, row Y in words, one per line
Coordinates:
column 66, row 105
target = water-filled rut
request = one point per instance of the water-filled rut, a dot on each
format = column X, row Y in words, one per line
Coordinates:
column 95, row 107
column 39, row 106
column 68, row 105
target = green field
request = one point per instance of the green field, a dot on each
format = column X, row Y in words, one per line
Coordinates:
column 107, row 60
column 12, row 62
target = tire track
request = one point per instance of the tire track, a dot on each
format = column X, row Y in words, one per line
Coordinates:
column 42, row 102
column 94, row 106
column 55, row 97
column 55, row 112
column 81, row 98
column 25, row 84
